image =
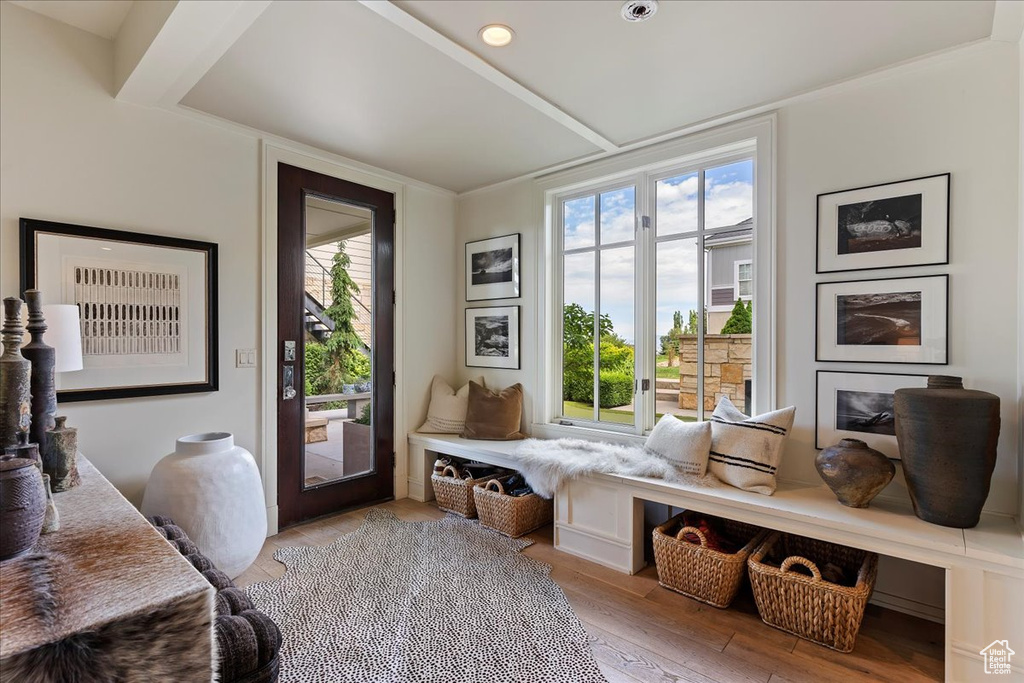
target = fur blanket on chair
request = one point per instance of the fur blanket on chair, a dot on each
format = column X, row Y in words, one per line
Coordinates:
column 548, row 464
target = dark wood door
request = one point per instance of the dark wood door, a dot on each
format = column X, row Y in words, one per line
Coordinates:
column 301, row 496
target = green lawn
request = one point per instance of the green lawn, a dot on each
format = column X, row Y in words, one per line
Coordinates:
column 666, row 373
column 582, row 411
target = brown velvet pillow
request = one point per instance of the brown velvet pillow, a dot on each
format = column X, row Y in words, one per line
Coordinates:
column 494, row 415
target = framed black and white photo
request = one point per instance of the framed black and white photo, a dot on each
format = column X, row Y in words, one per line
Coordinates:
column 859, row 405
column 492, row 337
column 884, row 226
column 900, row 320
column 147, row 306
column 492, row 268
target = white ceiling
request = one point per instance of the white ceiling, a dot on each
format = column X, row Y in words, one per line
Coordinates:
column 408, row 86
column 101, row 17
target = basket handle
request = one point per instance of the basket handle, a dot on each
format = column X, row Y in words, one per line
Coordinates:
column 696, row 532
column 497, row 486
column 455, row 472
column 796, row 559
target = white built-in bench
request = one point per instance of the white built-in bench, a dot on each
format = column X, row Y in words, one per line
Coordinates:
column 600, row 517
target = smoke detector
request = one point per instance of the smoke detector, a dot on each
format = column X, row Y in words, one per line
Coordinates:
column 639, row 10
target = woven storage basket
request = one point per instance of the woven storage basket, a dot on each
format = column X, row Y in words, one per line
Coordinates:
column 454, row 494
column 511, row 515
column 700, row 572
column 809, row 606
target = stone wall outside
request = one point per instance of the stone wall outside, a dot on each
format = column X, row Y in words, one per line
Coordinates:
column 727, row 366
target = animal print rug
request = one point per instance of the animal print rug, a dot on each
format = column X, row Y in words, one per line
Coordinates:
column 426, row 602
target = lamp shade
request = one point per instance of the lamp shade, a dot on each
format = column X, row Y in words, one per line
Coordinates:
column 64, row 334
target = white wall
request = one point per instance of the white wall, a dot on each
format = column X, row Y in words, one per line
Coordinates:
column 1020, row 289
column 69, row 152
column 956, row 114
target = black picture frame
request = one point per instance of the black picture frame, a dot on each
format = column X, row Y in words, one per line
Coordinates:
column 932, row 233
column 30, row 231
column 475, row 360
column 884, row 443
column 495, row 291
column 939, row 286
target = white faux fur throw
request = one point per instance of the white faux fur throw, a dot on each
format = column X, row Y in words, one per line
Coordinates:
column 548, row 464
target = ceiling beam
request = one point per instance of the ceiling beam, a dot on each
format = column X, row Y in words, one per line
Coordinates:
column 1008, row 21
column 477, row 65
column 165, row 46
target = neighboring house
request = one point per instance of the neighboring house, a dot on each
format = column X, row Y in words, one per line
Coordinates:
column 997, row 657
column 729, row 271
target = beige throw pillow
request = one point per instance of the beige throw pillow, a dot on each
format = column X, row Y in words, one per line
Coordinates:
column 494, row 415
column 746, row 451
column 447, row 411
column 685, row 444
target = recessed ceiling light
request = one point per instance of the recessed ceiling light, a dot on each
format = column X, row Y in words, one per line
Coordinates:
column 639, row 10
column 496, row 35
column 106, row 248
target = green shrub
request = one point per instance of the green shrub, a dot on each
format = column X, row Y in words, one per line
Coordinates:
column 364, row 417
column 316, row 369
column 616, row 388
column 740, row 321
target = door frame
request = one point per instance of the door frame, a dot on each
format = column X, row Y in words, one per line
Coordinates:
column 271, row 155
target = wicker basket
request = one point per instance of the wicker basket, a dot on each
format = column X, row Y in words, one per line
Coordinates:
column 809, row 606
column 454, row 494
column 700, row 572
column 511, row 515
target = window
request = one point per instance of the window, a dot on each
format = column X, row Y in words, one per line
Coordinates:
column 744, row 279
column 654, row 301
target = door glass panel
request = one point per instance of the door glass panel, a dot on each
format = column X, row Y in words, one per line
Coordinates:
column 729, row 195
column 677, row 301
column 578, row 335
column 676, row 204
column 338, row 359
column 615, row 388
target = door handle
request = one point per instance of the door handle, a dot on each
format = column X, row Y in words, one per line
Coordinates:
column 288, row 384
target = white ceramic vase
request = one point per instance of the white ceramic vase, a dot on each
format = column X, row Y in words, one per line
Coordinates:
column 211, row 488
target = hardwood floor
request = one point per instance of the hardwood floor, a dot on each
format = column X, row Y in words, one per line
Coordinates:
column 641, row 632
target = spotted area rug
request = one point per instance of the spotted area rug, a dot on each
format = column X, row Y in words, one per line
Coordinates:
column 446, row 601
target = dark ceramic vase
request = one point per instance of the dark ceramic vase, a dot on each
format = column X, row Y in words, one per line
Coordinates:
column 947, row 437
column 41, row 355
column 59, row 457
column 15, row 375
column 855, row 472
column 22, row 506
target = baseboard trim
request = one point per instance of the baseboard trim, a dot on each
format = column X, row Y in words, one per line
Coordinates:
column 911, row 607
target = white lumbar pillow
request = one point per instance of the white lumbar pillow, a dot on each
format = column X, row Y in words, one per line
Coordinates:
column 447, row 411
column 685, row 444
column 746, row 451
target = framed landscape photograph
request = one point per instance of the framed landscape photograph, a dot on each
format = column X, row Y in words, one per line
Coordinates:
column 147, row 306
column 492, row 268
column 492, row 337
column 884, row 226
column 859, row 405
column 901, row 320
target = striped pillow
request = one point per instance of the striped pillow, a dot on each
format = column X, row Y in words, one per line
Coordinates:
column 745, row 451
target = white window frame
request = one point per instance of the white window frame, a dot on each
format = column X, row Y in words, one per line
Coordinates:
column 643, row 167
column 736, row 280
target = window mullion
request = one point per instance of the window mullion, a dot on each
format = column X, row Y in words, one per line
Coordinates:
column 597, row 306
column 701, row 300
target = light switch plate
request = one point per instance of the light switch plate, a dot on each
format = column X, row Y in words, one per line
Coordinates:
column 245, row 358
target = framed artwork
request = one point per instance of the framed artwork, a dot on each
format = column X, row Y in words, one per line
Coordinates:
column 492, row 337
column 859, row 405
column 884, row 226
column 147, row 305
column 492, row 268
column 901, row 320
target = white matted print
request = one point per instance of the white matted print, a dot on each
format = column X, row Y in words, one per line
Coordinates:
column 859, row 405
column 492, row 268
column 492, row 337
column 884, row 226
column 900, row 320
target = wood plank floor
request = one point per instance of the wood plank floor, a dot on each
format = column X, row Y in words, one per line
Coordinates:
column 642, row 632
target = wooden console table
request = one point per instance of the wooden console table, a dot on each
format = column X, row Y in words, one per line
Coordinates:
column 132, row 607
column 600, row 518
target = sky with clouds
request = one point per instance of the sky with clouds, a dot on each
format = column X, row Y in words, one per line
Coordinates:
column 728, row 200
